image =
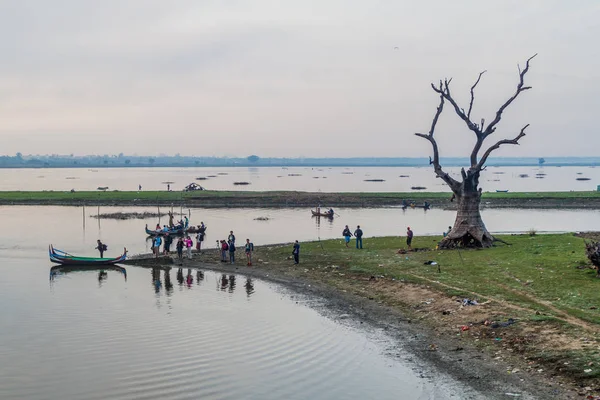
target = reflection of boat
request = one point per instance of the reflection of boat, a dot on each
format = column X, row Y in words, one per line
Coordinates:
column 64, row 269
column 320, row 214
column 502, row 191
column 175, row 231
column 61, row 257
column 411, row 204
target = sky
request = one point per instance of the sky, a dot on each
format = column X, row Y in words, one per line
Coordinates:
column 326, row 78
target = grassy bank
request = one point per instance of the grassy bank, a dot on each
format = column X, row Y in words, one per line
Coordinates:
column 535, row 281
column 296, row 199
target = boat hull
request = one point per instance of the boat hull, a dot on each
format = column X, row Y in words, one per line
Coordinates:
column 316, row 214
column 62, row 258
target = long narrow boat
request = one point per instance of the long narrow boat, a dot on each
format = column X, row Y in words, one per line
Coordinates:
column 64, row 258
column 320, row 214
column 175, row 231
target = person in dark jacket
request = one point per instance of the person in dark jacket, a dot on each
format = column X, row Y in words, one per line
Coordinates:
column 180, row 246
column 296, row 252
column 347, row 235
column 232, row 252
column 167, row 245
column 358, row 233
column 101, row 248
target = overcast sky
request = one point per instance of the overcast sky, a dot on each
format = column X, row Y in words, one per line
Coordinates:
column 292, row 78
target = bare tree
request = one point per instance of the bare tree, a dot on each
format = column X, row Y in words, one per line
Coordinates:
column 469, row 229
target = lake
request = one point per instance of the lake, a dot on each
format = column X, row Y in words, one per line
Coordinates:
column 155, row 334
column 395, row 179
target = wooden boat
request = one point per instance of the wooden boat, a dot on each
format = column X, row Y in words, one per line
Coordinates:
column 320, row 214
column 175, row 231
column 65, row 269
column 502, row 191
column 64, row 258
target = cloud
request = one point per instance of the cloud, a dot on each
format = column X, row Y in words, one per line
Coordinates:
column 312, row 78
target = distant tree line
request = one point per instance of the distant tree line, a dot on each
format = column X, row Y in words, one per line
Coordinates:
column 20, row 160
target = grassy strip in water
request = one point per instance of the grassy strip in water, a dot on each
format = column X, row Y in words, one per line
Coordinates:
column 268, row 196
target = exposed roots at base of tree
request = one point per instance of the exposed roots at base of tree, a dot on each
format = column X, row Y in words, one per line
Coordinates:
column 467, row 241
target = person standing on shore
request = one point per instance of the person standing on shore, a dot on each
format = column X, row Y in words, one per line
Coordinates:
column 347, row 235
column 101, row 248
column 358, row 233
column 157, row 243
column 231, row 238
column 168, row 242
column 409, row 237
column 200, row 236
column 249, row 249
column 179, row 247
column 296, row 252
column 168, row 187
column 188, row 246
column 224, row 248
column 232, row 252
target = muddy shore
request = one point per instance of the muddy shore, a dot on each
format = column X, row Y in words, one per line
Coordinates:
column 429, row 350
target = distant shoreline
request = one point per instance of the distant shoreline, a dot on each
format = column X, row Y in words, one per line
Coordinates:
column 292, row 199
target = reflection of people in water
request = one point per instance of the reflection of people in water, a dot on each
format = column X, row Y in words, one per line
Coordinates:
column 168, row 284
column 156, row 279
column 249, row 285
column 231, row 283
column 102, row 275
column 224, row 282
column 199, row 276
column 189, row 278
column 180, row 276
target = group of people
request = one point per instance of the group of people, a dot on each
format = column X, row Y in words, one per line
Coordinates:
column 228, row 247
column 181, row 224
column 358, row 234
column 184, row 242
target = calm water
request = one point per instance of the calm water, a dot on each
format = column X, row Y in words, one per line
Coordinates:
column 75, row 230
column 303, row 179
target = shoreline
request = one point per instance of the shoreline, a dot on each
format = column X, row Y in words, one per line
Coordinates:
column 293, row 199
column 397, row 308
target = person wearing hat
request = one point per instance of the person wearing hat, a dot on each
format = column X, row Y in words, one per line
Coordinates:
column 409, row 237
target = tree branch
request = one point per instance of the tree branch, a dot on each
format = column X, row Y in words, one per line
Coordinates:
column 473, row 94
column 520, row 88
column 454, row 184
column 489, row 151
column 444, row 90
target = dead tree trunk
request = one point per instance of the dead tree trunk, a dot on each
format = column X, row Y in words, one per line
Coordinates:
column 469, row 229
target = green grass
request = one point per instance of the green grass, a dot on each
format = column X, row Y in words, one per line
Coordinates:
column 536, row 272
column 66, row 196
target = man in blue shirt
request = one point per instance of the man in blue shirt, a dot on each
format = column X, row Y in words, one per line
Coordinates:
column 296, row 252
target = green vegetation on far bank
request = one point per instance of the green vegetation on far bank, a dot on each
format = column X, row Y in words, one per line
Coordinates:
column 293, row 199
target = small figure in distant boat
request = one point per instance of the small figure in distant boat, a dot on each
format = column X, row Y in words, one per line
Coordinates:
column 168, row 242
column 347, row 235
column 296, row 252
column 188, row 245
column 224, row 248
column 409, row 237
column 165, row 228
column 185, row 221
column 330, row 212
column 158, row 228
column 170, row 219
column 101, row 248
column 179, row 247
column 232, row 252
column 249, row 249
column 157, row 243
column 358, row 233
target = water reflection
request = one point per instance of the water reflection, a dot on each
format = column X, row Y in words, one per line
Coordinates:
column 168, row 284
column 62, row 270
column 249, row 285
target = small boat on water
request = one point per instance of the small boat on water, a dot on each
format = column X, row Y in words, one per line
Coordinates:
column 175, row 231
column 502, row 191
column 64, row 258
column 320, row 214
